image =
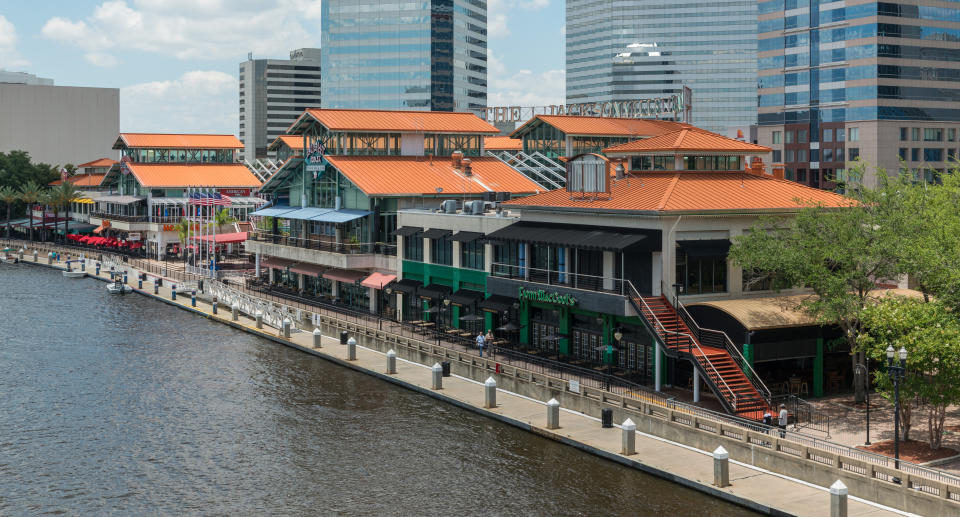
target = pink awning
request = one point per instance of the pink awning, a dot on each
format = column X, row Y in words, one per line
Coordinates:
column 344, row 275
column 275, row 263
column 305, row 268
column 378, row 280
column 223, row 238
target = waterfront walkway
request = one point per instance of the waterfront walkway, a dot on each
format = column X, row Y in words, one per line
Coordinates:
column 761, row 490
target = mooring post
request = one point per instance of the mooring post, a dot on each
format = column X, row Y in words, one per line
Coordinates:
column 838, row 499
column 351, row 349
column 553, row 414
column 490, row 393
column 391, row 361
column 286, row 327
column 437, row 373
column 317, row 338
column 235, row 316
column 721, row 467
column 628, row 443
column 259, row 317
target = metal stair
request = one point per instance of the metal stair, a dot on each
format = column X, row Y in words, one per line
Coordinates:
column 730, row 377
column 538, row 167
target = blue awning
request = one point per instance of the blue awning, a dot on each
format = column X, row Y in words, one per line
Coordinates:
column 341, row 216
column 273, row 211
column 306, row 214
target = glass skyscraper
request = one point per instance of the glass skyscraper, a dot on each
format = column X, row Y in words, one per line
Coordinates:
column 391, row 54
column 841, row 80
column 635, row 49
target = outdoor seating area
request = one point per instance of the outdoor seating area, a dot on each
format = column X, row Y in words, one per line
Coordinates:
column 104, row 242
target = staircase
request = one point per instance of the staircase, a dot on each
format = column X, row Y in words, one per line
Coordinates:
column 711, row 352
column 539, row 168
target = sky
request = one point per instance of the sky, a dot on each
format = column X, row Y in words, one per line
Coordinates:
column 176, row 61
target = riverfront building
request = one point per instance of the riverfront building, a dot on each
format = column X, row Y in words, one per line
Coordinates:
column 639, row 49
column 871, row 81
column 146, row 191
column 428, row 56
column 329, row 232
column 273, row 93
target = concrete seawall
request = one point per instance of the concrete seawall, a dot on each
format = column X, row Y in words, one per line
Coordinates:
column 671, row 446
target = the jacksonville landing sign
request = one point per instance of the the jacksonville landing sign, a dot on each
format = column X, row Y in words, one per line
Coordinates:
column 677, row 107
column 545, row 297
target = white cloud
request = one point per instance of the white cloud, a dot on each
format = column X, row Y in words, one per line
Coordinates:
column 9, row 57
column 193, row 29
column 500, row 12
column 201, row 101
column 522, row 88
column 100, row 59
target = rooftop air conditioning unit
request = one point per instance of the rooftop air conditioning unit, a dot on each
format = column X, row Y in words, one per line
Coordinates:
column 449, row 206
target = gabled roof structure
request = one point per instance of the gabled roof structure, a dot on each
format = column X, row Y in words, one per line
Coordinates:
column 686, row 140
column 176, row 141
column 602, row 126
column 386, row 121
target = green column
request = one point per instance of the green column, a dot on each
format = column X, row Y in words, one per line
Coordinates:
column 608, row 340
column 818, row 370
column 748, row 356
column 455, row 316
column 487, row 321
column 563, row 345
column 525, row 323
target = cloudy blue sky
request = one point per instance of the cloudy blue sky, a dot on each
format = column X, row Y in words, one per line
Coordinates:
column 175, row 61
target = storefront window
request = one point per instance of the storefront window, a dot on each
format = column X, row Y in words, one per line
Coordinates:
column 763, row 281
column 472, row 255
column 468, row 144
column 353, row 295
column 652, row 163
column 441, row 251
column 701, row 274
column 413, row 248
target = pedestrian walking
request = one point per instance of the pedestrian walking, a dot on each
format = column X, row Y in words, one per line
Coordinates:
column 782, row 422
column 767, row 418
column 480, row 343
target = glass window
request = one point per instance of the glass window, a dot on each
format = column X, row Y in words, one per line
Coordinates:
column 802, row 175
column 471, row 254
column 915, row 154
column 903, row 153
column 839, row 156
column 802, row 136
column 801, row 155
column 413, row 248
column 790, row 156
column 700, row 275
column 853, row 153
column 933, row 155
column 951, row 154
column 855, row 134
column 827, row 135
column 441, row 251
column 952, row 134
column 790, row 136
column 915, row 134
column 932, row 134
column 777, row 136
column 828, row 154
column 904, row 133
column 777, row 156
column 840, row 134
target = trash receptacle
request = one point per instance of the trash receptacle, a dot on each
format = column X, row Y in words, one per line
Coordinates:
column 606, row 418
column 343, row 337
column 445, row 368
column 160, row 281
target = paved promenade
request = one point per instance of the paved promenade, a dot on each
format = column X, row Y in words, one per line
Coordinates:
column 763, row 491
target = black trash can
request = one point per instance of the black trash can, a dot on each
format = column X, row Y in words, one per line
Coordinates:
column 445, row 366
column 160, row 281
column 606, row 418
column 343, row 337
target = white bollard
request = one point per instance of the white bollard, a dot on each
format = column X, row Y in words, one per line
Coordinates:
column 236, row 315
column 721, row 467
column 259, row 317
column 437, row 374
column 286, row 327
column 553, row 414
column 35, row 255
column 490, row 393
column 317, row 338
column 351, row 349
column 391, row 361
column 628, row 443
column 838, row 499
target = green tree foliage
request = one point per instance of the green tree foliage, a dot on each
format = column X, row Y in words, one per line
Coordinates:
column 60, row 198
column 930, row 332
column 16, row 170
column 9, row 196
column 30, row 193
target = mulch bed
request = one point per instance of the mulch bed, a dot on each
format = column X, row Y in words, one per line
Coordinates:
column 913, row 451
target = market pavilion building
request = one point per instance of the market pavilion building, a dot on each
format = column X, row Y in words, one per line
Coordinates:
column 587, row 273
column 145, row 193
column 329, row 231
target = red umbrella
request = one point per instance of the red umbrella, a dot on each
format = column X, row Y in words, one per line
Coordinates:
column 136, row 245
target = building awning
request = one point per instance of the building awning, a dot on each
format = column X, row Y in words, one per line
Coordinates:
column 247, row 200
column 84, row 201
column 407, row 286
column 305, row 268
column 583, row 237
column 222, row 238
column 406, row 231
column 434, row 291
column 378, row 280
column 465, row 297
column 276, row 263
column 103, row 226
column 344, row 275
column 467, row 236
column 78, row 228
column 436, row 233
column 120, row 200
column 340, row 216
column 705, row 248
column 497, row 303
column 273, row 211
column 305, row 214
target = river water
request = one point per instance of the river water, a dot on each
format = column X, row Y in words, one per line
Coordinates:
column 123, row 405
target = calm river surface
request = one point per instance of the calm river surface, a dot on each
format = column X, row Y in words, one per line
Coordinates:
column 123, row 405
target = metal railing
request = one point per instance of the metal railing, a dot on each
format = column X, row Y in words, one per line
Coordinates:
column 804, row 413
column 328, row 245
column 118, row 217
column 559, row 278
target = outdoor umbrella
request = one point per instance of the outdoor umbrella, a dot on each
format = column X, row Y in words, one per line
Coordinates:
column 472, row 317
column 433, row 309
column 509, row 326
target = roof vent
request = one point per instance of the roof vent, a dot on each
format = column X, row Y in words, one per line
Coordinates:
column 457, row 159
column 619, row 170
column 449, row 206
column 467, row 170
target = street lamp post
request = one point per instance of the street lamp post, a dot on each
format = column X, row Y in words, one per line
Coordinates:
column 443, row 309
column 866, row 372
column 617, row 336
column 896, row 372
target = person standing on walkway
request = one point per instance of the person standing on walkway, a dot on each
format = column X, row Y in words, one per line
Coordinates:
column 767, row 418
column 782, row 423
column 480, row 343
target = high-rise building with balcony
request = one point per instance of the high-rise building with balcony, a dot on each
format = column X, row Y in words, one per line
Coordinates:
column 845, row 80
column 617, row 51
column 429, row 56
column 273, row 93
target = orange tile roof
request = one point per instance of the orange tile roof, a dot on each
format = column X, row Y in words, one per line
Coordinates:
column 605, row 126
column 687, row 140
column 294, row 142
column 173, row 141
column 167, row 175
column 102, row 162
column 502, row 143
column 81, row 180
column 692, row 191
column 416, row 175
column 398, row 121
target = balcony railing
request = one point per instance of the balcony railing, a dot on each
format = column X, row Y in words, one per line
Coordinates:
column 324, row 245
column 118, row 217
column 559, row 278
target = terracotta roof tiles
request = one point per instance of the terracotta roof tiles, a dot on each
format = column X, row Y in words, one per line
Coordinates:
column 502, row 143
column 177, row 141
column 102, row 162
column 687, row 140
column 605, row 126
column 152, row 175
column 294, row 142
column 398, row 121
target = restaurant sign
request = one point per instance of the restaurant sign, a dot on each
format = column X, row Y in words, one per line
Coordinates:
column 545, row 297
column 313, row 159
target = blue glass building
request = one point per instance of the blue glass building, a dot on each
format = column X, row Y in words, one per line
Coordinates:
column 389, row 54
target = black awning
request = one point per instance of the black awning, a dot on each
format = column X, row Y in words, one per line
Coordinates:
column 436, row 233
column 705, row 248
column 407, row 286
column 406, row 231
column 583, row 237
column 434, row 291
column 465, row 297
column 497, row 303
column 467, row 236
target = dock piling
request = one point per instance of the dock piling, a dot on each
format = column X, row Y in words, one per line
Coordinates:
column 235, row 316
column 391, row 361
column 317, row 338
column 553, row 414
column 838, row 499
column 259, row 317
column 437, row 377
column 721, row 467
column 286, row 327
column 628, row 443
column 351, row 349
column 490, row 393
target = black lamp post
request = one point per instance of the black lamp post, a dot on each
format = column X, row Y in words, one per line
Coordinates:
column 677, row 291
column 866, row 372
column 443, row 309
column 896, row 372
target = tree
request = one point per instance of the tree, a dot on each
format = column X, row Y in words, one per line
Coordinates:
column 17, row 169
column 61, row 197
column 9, row 196
column 46, row 199
column 222, row 217
column 930, row 333
column 183, row 231
column 838, row 253
column 30, row 194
